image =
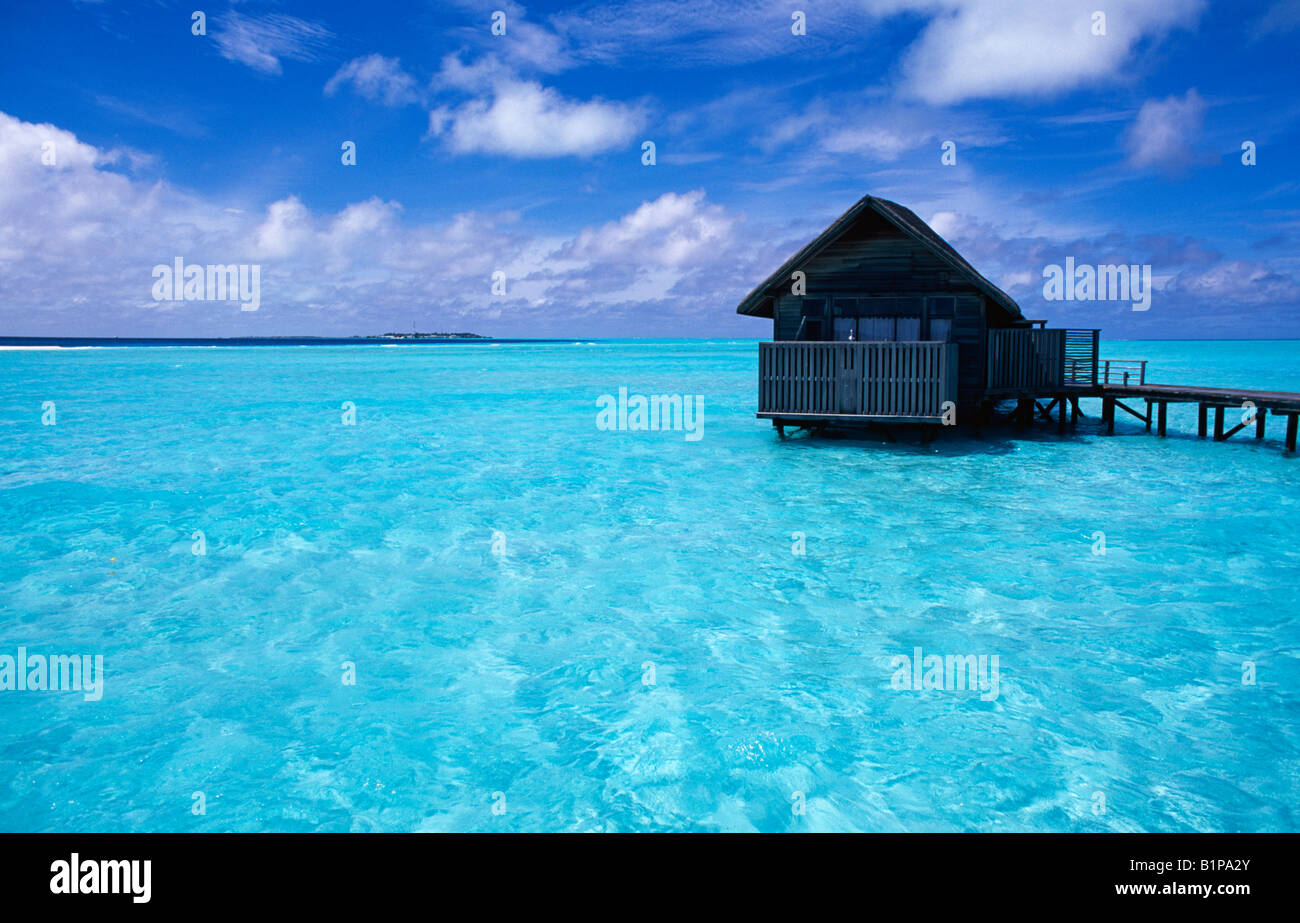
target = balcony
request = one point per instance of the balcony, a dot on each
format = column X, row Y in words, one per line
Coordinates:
column 1033, row 361
column 888, row 382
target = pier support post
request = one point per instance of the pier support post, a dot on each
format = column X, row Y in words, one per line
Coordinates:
column 1108, row 414
column 1060, row 414
column 1074, row 410
column 1291, row 431
column 1148, row 415
column 1024, row 412
column 1218, row 424
column 1259, row 422
column 1160, row 424
column 1200, row 421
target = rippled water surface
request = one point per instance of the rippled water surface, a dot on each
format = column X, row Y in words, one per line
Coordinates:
column 642, row 648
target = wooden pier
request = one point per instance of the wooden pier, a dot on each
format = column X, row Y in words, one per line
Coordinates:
column 1157, row 399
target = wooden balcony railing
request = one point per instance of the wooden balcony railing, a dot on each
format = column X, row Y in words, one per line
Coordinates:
column 900, row 381
column 1123, row 372
column 1037, row 360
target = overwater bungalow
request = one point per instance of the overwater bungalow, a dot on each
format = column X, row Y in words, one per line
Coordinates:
column 879, row 320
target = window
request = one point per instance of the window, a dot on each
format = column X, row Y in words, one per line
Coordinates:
column 875, row 329
column 940, row 328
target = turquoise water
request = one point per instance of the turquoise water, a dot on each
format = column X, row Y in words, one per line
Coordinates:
column 642, row 649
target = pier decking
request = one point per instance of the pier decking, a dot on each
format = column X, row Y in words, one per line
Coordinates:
column 1159, row 397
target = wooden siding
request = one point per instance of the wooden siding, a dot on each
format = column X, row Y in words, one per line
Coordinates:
column 968, row 334
column 878, row 380
column 787, row 315
column 1026, row 360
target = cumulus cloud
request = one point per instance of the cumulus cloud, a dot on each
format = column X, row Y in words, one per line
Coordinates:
column 260, row 42
column 973, row 49
column 524, row 119
column 1164, row 132
column 78, row 242
column 672, row 230
column 1236, row 282
column 377, row 78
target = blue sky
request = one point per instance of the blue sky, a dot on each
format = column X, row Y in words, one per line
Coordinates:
column 522, row 153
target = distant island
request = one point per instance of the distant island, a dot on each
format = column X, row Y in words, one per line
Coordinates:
column 427, row 336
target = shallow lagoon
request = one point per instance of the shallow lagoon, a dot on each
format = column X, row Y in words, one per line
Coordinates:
column 507, row 580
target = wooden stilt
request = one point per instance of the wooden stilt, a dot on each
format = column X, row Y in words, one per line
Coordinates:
column 1060, row 414
column 1200, row 421
column 1291, row 431
column 1259, row 422
column 1108, row 414
column 1218, row 423
column 1074, row 410
column 1024, row 408
column 1148, row 415
column 1160, row 424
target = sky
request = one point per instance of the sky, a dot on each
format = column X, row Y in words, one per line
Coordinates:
column 500, row 183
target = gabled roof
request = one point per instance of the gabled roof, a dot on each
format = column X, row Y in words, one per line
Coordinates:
column 758, row 303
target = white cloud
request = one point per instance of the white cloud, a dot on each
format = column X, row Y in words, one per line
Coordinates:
column 672, row 230
column 1236, row 282
column 376, row 78
column 525, row 119
column 77, row 235
column 974, row 49
column 284, row 232
column 78, row 242
column 262, row 42
column 1164, row 132
column 842, row 125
